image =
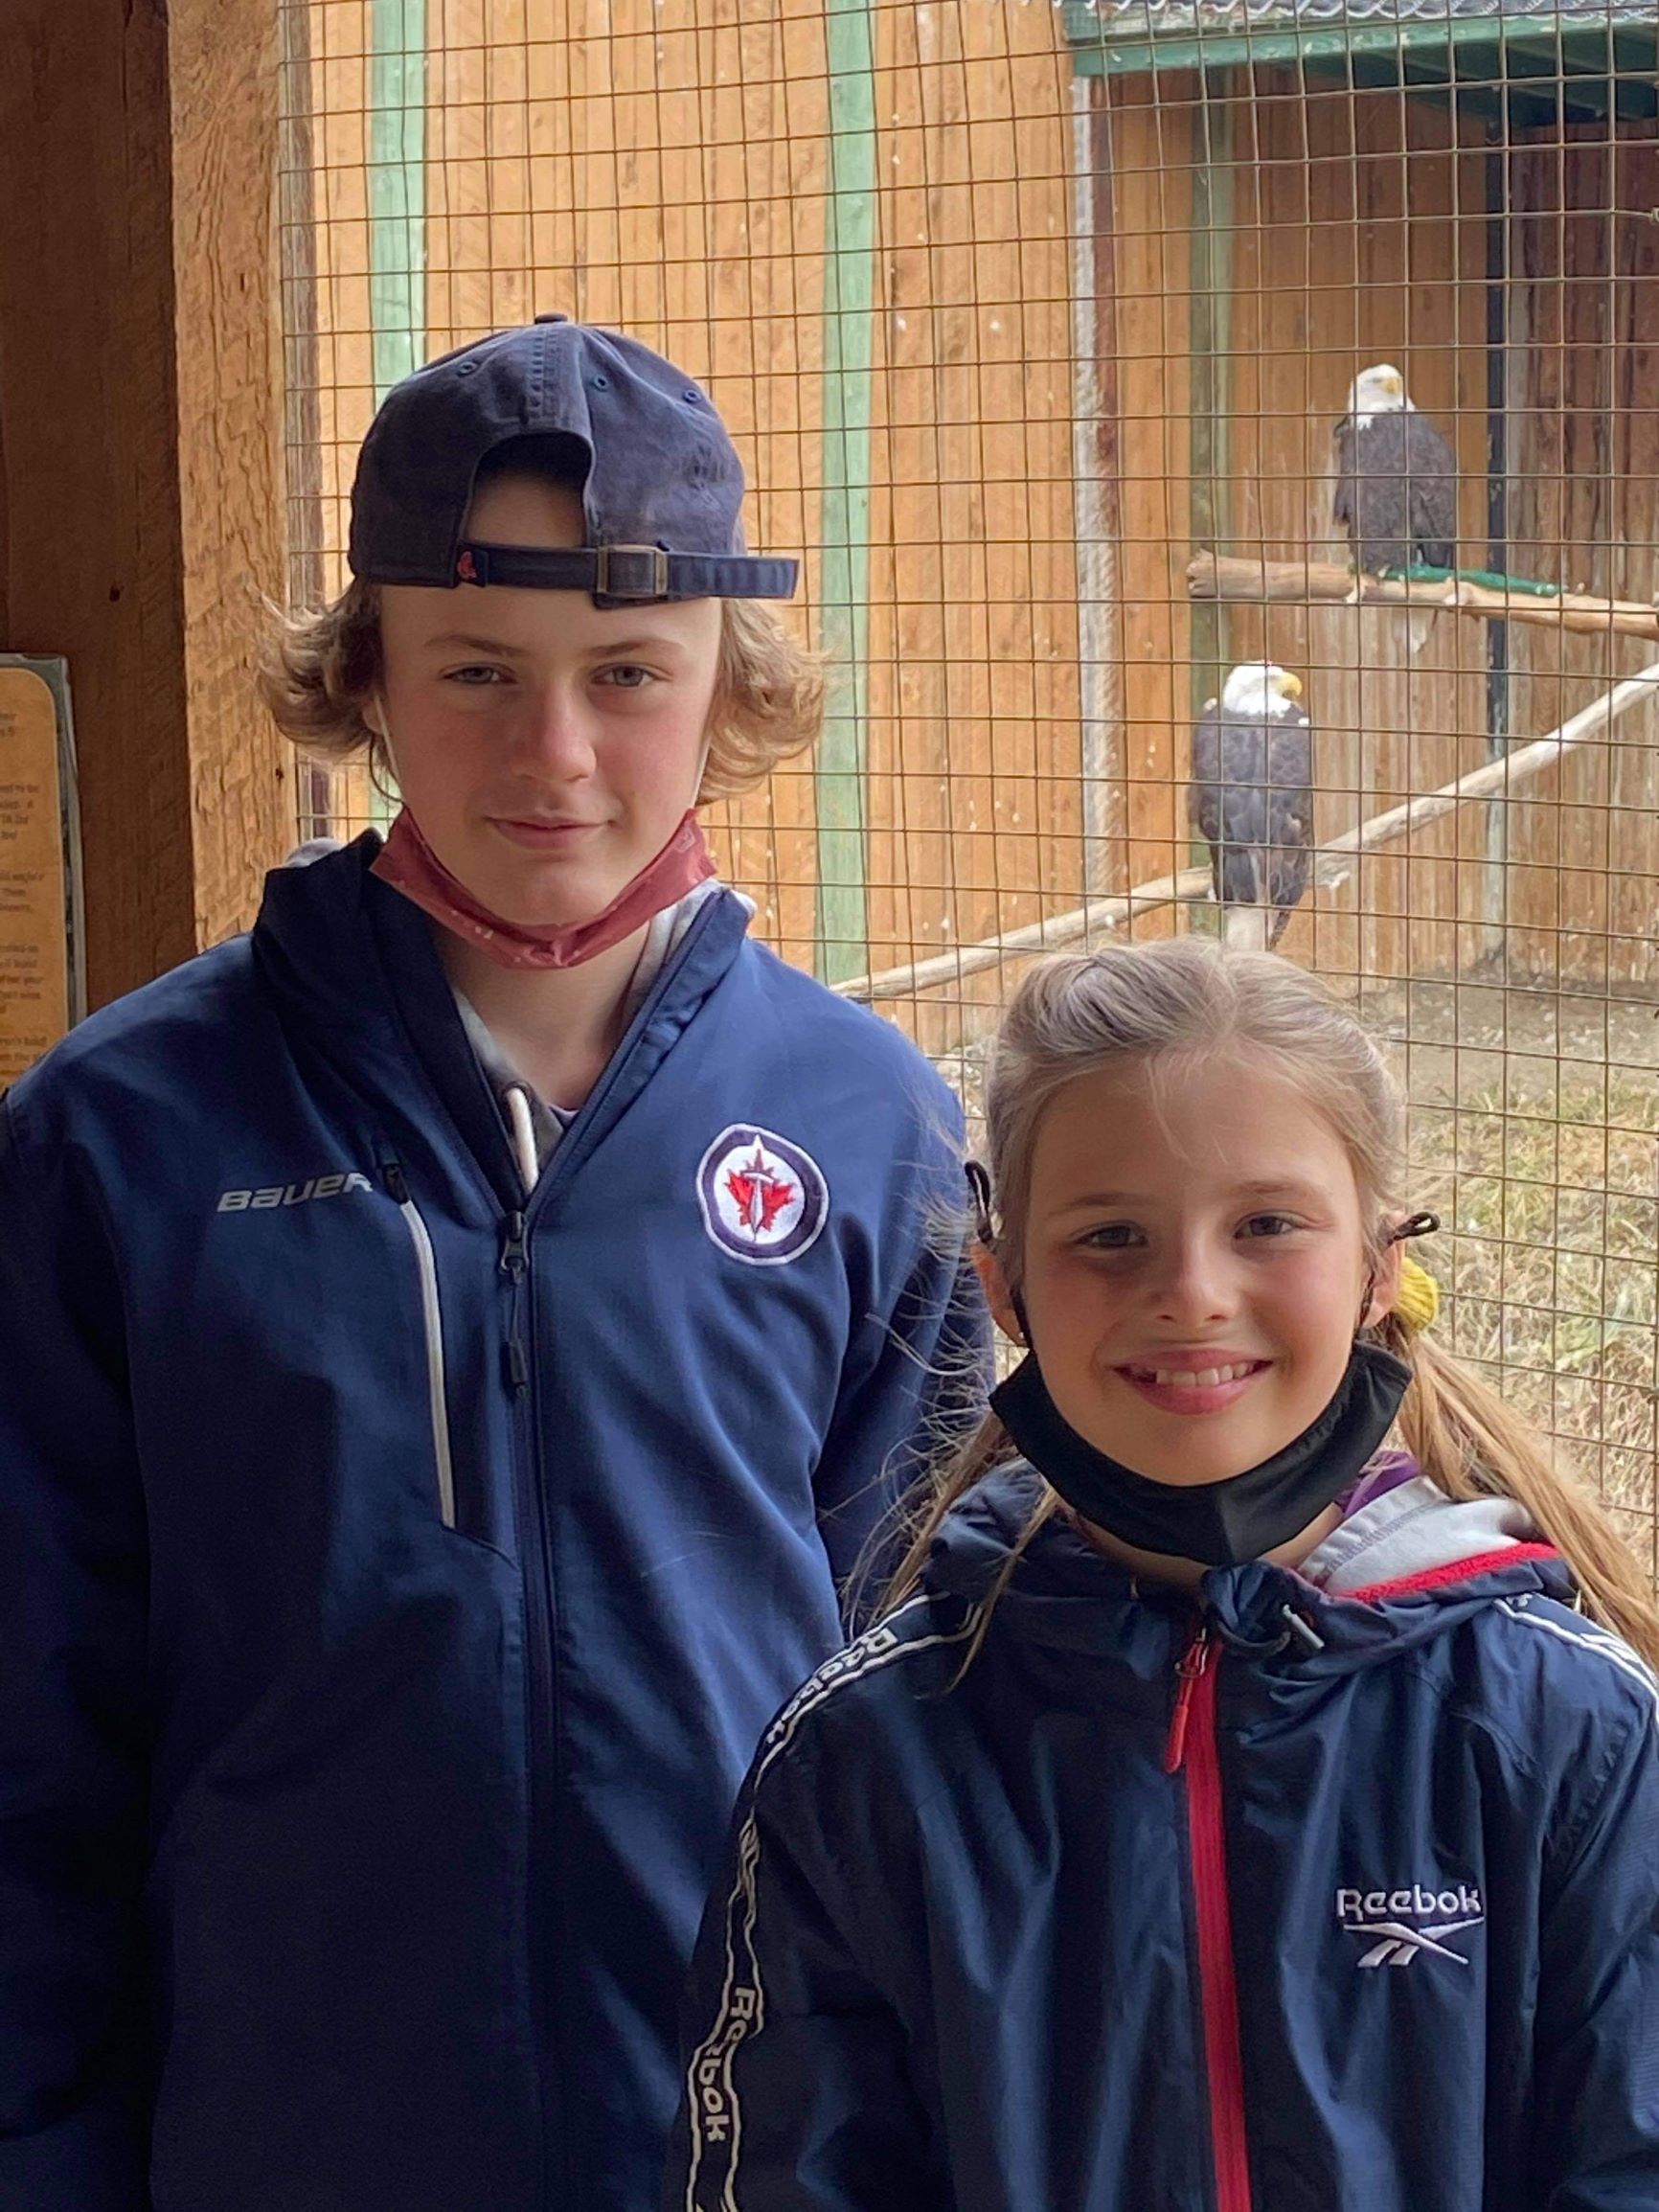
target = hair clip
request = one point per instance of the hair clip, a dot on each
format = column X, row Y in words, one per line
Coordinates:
column 1423, row 1224
column 979, row 1183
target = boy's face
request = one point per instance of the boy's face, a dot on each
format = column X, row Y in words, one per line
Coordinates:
column 546, row 747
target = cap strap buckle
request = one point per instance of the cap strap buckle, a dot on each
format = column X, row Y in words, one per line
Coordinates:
column 643, row 572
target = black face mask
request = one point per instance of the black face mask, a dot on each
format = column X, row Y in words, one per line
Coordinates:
column 1221, row 1523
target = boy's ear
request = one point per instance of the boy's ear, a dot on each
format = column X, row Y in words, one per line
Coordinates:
column 997, row 1295
column 374, row 714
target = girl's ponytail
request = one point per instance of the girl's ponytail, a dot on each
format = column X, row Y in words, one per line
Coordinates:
column 1470, row 1443
column 988, row 1446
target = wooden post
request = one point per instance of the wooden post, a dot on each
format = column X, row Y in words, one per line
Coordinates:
column 1096, row 509
column 1211, row 396
column 140, row 445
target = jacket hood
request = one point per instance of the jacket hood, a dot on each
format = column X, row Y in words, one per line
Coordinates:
column 1407, row 1568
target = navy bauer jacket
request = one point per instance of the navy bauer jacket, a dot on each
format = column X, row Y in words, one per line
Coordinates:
column 395, row 1575
column 1152, row 1911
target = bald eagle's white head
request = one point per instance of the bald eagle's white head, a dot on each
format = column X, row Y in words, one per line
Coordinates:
column 1260, row 690
column 1378, row 390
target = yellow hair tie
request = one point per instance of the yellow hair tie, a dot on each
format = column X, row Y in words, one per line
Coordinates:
column 1417, row 1301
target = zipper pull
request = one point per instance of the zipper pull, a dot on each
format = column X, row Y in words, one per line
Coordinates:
column 512, row 1252
column 396, row 1184
column 517, row 1366
column 1194, row 1664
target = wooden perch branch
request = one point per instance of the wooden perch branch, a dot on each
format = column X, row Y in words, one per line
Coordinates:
column 1332, row 863
column 1310, row 583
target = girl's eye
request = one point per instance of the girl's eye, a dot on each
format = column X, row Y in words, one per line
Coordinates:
column 477, row 676
column 1111, row 1237
column 1270, row 1225
column 626, row 676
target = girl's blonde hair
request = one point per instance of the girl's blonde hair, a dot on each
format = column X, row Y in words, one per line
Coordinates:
column 320, row 669
column 1149, row 1007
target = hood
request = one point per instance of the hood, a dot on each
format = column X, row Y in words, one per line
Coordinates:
column 1408, row 1566
column 1414, row 1536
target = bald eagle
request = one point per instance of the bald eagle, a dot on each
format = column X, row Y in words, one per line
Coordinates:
column 1251, row 797
column 1396, row 486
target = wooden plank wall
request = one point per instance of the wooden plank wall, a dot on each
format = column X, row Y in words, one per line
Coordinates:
column 1334, row 267
column 665, row 167
column 1584, row 892
column 1327, row 276
column 139, row 519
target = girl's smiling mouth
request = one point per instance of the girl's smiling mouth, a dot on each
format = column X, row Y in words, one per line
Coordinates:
column 1192, row 1382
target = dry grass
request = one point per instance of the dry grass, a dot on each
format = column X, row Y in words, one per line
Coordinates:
column 1533, row 1133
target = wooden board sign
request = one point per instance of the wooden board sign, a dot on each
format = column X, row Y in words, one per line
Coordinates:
column 40, row 992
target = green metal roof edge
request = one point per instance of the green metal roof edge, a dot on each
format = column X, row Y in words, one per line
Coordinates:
column 1097, row 52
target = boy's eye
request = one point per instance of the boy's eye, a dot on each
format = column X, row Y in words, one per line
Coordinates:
column 476, row 675
column 1270, row 1225
column 627, row 676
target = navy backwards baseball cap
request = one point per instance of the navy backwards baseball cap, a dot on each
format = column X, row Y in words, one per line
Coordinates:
column 662, row 486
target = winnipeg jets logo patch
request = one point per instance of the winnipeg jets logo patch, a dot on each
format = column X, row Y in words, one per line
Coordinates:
column 1397, row 1925
column 763, row 1199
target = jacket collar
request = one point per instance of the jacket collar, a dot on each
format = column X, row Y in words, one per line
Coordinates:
column 353, row 962
column 1064, row 1592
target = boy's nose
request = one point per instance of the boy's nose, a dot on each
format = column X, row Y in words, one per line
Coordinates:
column 555, row 736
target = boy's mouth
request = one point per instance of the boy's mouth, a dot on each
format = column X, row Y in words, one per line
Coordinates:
column 1185, row 1386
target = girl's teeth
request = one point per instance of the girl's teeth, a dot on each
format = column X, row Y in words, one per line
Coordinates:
column 1203, row 1378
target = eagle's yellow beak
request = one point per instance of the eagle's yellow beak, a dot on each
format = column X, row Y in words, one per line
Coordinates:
column 1394, row 384
column 1291, row 687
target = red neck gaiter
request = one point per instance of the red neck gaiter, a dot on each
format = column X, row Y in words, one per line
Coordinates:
column 409, row 864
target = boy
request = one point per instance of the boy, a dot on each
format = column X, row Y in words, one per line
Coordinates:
column 454, row 1344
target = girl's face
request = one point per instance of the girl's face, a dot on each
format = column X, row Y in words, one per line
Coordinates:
column 1194, row 1266
column 546, row 747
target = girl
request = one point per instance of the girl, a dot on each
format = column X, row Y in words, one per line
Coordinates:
column 1233, row 1816
column 452, row 1348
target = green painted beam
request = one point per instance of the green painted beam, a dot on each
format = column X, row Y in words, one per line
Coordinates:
column 398, row 190
column 396, row 212
column 842, row 931
column 1479, row 55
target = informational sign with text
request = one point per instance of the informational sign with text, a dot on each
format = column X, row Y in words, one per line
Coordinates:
column 42, row 975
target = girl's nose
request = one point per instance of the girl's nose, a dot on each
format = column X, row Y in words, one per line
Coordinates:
column 1193, row 1285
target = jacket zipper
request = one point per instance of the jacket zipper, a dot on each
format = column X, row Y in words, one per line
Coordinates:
column 432, row 1319
column 539, row 1745
column 1192, row 1746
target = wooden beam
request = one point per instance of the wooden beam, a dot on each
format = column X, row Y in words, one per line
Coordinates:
column 139, row 445
column 1308, row 582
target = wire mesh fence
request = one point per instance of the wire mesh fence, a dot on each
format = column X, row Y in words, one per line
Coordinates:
column 1035, row 327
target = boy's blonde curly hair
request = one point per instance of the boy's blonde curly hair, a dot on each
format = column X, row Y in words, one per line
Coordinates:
column 318, row 671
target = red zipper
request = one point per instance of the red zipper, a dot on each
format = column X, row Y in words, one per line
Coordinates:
column 1192, row 1745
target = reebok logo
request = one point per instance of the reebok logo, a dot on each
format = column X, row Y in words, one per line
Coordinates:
column 711, row 2088
column 290, row 1193
column 1396, row 1924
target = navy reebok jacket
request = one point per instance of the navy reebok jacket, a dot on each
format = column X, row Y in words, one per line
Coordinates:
column 397, row 1576
column 1329, row 1899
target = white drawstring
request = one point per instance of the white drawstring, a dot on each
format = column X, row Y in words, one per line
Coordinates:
column 523, row 1133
